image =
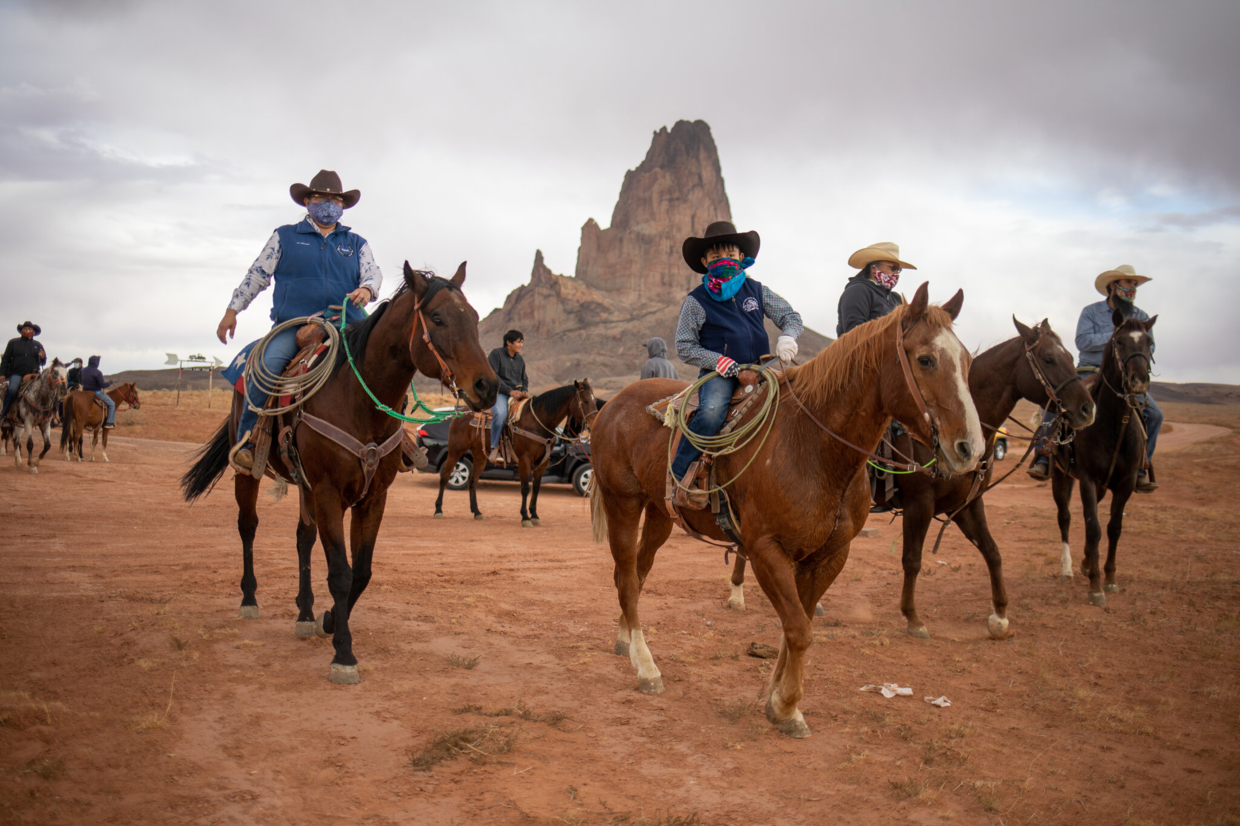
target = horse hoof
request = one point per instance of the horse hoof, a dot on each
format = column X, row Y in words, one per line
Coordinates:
column 621, row 648
column 344, row 674
column 1099, row 599
column 734, row 605
column 525, row 523
column 319, row 630
column 479, row 517
column 34, row 470
column 651, row 686
column 536, row 522
column 248, row 612
column 1066, row 577
column 919, row 632
column 997, row 626
column 437, row 516
column 794, row 726
column 819, row 611
column 1111, row 589
column 305, row 628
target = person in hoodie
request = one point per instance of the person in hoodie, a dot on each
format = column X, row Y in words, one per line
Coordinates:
column 657, row 366
column 94, row 382
column 22, row 356
column 721, row 327
column 868, row 294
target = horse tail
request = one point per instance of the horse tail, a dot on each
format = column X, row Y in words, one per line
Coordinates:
column 66, row 429
column 598, row 513
column 211, row 464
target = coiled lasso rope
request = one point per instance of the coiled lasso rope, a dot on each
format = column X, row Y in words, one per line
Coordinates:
column 744, row 433
column 302, row 387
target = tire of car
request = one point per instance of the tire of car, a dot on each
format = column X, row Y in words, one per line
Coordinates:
column 581, row 479
column 458, row 479
column 1000, row 449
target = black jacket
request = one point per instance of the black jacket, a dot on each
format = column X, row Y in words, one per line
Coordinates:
column 92, row 376
column 509, row 369
column 862, row 301
column 21, row 357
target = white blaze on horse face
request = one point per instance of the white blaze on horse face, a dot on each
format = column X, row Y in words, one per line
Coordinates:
column 951, row 351
column 1136, row 336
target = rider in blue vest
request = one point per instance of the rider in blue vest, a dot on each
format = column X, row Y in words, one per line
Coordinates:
column 315, row 263
column 722, row 327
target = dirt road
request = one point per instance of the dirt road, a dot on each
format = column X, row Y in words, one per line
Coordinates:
column 131, row 694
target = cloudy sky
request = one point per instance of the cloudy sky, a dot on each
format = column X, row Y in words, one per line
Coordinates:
column 1014, row 150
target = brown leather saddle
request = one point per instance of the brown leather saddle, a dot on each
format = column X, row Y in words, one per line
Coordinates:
column 507, row 453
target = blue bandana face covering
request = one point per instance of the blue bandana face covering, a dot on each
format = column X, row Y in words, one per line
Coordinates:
column 326, row 213
column 724, row 277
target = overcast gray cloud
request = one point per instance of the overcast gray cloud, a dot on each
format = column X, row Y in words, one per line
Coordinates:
column 146, row 150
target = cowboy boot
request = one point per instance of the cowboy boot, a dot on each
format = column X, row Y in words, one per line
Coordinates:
column 688, row 493
column 1040, row 470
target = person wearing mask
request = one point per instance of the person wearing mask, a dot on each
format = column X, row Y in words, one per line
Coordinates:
column 23, row 355
column 315, row 263
column 657, row 366
column 514, row 383
column 1093, row 332
column 94, row 382
column 869, row 294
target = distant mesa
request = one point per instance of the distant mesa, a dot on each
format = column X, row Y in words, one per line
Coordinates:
column 630, row 278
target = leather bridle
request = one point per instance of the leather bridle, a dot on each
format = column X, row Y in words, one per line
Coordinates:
column 445, row 372
column 1052, row 392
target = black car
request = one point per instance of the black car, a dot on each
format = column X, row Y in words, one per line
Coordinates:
column 570, row 461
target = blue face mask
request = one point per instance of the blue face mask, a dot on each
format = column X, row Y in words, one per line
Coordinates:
column 724, row 277
column 326, row 213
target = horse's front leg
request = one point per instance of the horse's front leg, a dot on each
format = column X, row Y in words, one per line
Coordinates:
column 329, row 514
column 363, row 531
column 918, row 514
column 537, row 474
column 972, row 522
column 1061, row 489
column 1115, row 526
column 28, row 431
column 245, row 489
column 524, row 470
column 306, row 533
column 736, row 601
column 47, row 440
column 479, row 464
column 105, row 445
column 1093, row 537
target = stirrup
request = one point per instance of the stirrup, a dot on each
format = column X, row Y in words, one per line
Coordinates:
column 1040, row 471
column 687, row 494
column 241, row 444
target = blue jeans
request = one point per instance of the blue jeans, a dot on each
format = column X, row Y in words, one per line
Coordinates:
column 10, row 395
column 111, row 417
column 280, row 351
column 499, row 415
column 713, row 398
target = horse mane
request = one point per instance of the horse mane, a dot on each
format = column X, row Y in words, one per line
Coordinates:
column 358, row 335
column 824, row 377
column 552, row 399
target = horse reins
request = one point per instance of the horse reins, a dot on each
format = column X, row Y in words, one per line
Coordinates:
column 445, row 372
column 1130, row 399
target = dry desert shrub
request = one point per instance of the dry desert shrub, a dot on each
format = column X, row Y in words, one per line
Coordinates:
column 478, row 745
column 521, row 711
column 18, row 710
column 467, row 663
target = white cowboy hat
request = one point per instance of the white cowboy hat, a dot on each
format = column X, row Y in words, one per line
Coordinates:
column 1122, row 271
column 882, row 251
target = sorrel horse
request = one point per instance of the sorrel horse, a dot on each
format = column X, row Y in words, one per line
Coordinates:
column 337, row 440
column 533, row 436
column 84, row 411
column 33, row 411
column 1107, row 454
column 804, row 496
column 1035, row 366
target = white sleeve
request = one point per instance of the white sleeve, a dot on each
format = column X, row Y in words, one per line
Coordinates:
column 258, row 277
column 371, row 275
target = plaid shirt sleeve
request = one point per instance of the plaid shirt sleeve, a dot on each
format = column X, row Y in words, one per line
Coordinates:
column 780, row 311
column 692, row 317
column 371, row 276
column 258, row 277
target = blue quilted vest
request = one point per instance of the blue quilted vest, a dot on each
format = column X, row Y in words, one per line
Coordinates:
column 315, row 272
column 734, row 328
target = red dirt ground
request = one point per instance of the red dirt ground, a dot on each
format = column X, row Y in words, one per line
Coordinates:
column 131, row 694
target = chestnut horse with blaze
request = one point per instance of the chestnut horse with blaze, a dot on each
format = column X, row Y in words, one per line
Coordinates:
column 805, row 496
column 427, row 326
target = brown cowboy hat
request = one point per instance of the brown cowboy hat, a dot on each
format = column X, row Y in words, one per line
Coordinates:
column 37, row 329
column 324, row 183
column 720, row 232
column 882, row 251
column 1120, row 272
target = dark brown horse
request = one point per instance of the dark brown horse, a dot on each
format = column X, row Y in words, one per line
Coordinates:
column 533, row 435
column 337, row 442
column 84, row 411
column 804, row 497
column 1107, row 454
column 1036, row 366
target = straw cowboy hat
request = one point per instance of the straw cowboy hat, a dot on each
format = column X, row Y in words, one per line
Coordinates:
column 1122, row 271
column 882, row 251
column 720, row 232
column 324, row 183
column 37, row 329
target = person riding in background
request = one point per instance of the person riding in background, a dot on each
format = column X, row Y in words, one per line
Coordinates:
column 1093, row 332
column 22, row 356
column 94, row 382
column 722, row 327
column 868, row 294
column 514, row 383
column 74, row 377
column 316, row 263
column 657, row 366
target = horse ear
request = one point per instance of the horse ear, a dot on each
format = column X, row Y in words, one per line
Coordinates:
column 1117, row 318
column 1027, row 334
column 921, row 299
column 459, row 278
column 954, row 304
column 1149, row 325
column 576, row 384
column 415, row 280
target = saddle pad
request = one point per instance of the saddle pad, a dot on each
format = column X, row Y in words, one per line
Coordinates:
column 515, row 408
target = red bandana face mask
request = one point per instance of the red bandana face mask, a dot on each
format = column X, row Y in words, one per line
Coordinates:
column 886, row 279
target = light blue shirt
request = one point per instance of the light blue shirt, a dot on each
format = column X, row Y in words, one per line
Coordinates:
column 1094, row 330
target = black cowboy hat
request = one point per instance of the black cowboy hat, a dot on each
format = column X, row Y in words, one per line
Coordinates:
column 38, row 331
column 720, row 232
column 324, row 183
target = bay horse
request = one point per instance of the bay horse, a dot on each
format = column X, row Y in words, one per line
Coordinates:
column 533, row 436
column 84, row 411
column 804, row 496
column 33, row 411
column 1034, row 365
column 336, row 444
column 1107, row 454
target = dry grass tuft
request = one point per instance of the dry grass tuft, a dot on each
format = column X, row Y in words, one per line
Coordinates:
column 467, row 663
column 521, row 711
column 19, row 710
column 478, row 745
column 987, row 796
column 49, row 768
column 735, row 711
column 911, row 789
